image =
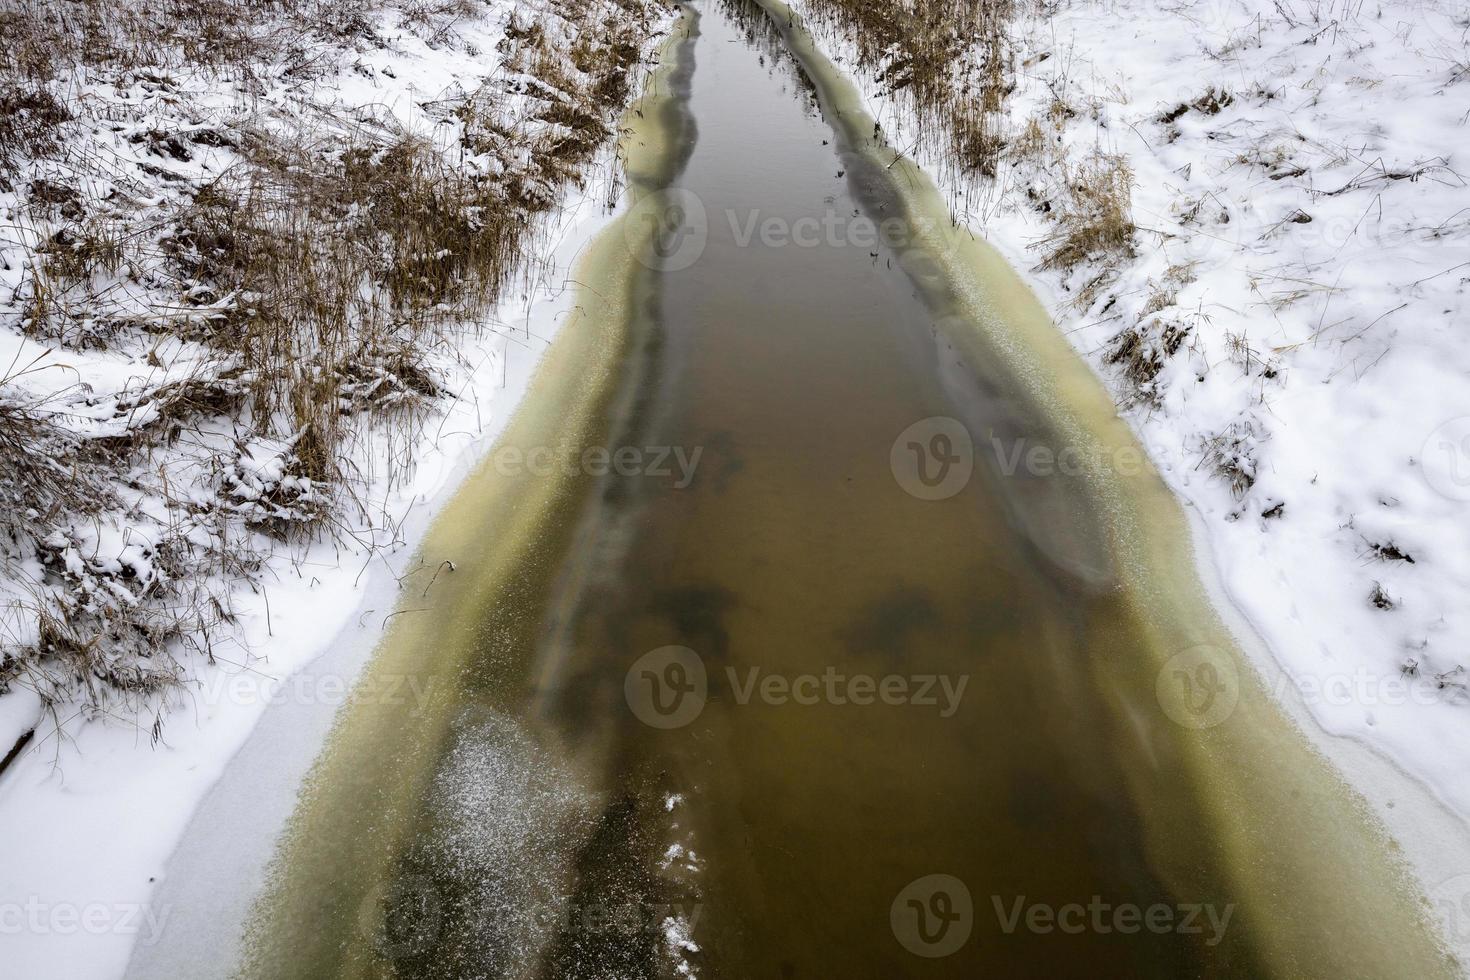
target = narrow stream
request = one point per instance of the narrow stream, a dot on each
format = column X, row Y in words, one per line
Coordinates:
column 820, row 671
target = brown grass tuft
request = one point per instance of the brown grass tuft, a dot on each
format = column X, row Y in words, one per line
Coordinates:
column 1096, row 218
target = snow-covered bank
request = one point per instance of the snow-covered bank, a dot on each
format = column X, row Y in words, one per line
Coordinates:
column 100, row 811
column 90, row 811
column 1281, row 328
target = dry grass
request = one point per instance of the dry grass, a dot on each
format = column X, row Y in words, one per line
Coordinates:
column 40, row 39
column 30, row 117
column 1095, row 220
column 1141, row 351
column 955, row 63
column 1210, row 103
column 39, row 486
column 952, row 58
column 99, row 633
column 1230, row 455
column 323, row 275
column 1165, row 292
column 1030, row 145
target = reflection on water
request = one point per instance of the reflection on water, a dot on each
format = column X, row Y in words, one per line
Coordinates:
column 893, row 640
column 859, row 688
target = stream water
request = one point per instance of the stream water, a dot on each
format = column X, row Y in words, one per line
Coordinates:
column 802, row 651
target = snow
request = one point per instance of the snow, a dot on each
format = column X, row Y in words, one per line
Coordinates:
column 1333, row 347
column 1314, row 236
column 1359, row 312
column 506, row 810
column 101, row 811
column 91, row 811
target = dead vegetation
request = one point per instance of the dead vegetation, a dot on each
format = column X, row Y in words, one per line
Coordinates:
column 1388, row 551
column 1231, row 456
column 1140, row 352
column 952, row 59
column 30, row 117
column 39, row 486
column 954, row 63
column 103, row 624
column 289, row 285
column 1208, row 104
column 1095, row 220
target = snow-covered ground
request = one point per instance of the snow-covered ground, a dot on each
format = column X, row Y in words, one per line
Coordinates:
column 90, row 810
column 1298, row 279
column 1302, row 225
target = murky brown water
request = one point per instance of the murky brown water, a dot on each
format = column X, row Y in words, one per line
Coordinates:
column 797, row 552
column 801, row 686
